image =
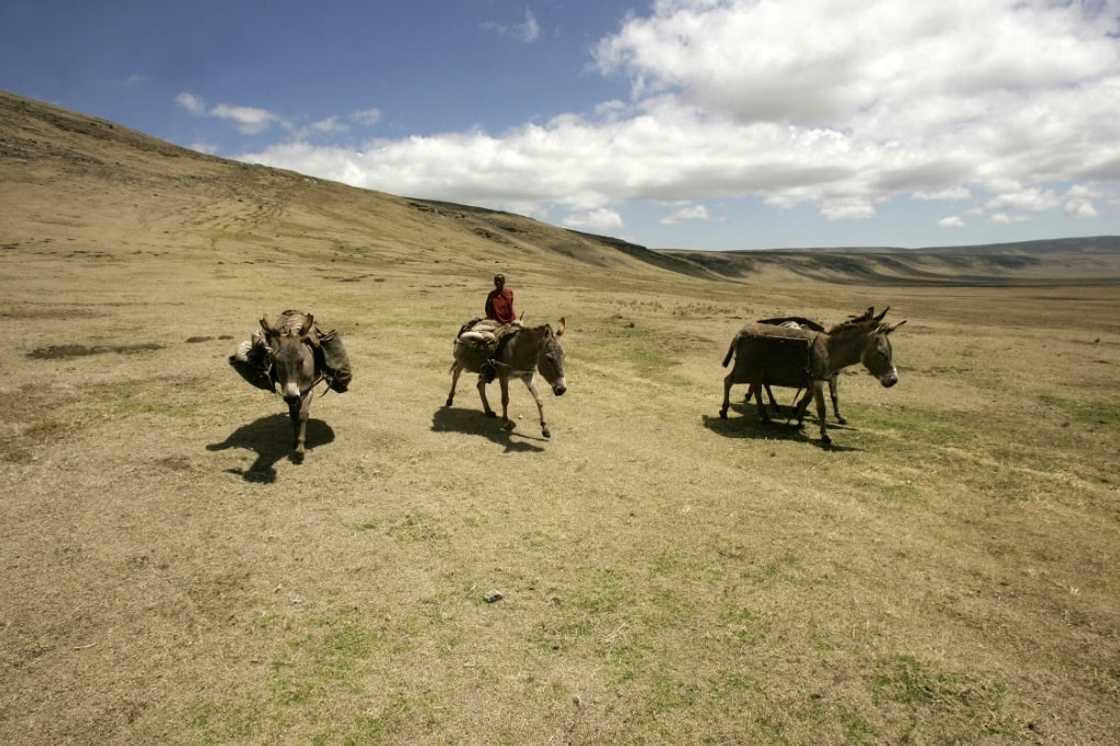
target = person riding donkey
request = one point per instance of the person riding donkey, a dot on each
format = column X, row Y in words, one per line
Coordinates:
column 499, row 309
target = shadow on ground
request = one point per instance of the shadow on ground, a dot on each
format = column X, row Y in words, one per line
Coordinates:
column 271, row 438
column 748, row 425
column 474, row 422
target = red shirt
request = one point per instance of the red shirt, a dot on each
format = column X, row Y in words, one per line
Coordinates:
column 499, row 305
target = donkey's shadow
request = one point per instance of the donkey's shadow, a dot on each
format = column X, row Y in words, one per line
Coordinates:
column 474, row 422
column 271, row 438
column 750, row 426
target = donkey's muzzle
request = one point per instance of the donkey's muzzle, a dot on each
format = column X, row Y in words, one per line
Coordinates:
column 890, row 379
column 559, row 388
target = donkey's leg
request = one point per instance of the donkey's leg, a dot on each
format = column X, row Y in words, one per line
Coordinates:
column 818, row 393
column 537, row 398
column 756, row 389
column 833, row 383
column 482, row 394
column 456, row 369
column 803, row 405
column 298, row 411
column 503, row 380
column 773, row 401
column 728, row 380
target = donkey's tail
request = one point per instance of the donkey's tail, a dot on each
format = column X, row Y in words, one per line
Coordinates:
column 730, row 351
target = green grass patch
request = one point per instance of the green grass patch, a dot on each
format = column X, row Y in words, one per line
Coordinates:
column 1086, row 412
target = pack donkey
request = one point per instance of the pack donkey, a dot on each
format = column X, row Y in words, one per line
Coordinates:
column 800, row 322
column 521, row 354
column 293, row 341
column 769, row 354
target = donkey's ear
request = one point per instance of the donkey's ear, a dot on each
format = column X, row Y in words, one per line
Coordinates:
column 560, row 329
column 890, row 329
column 881, row 315
column 308, row 324
column 268, row 330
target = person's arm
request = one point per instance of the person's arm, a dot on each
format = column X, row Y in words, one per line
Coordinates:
column 512, row 313
column 489, row 308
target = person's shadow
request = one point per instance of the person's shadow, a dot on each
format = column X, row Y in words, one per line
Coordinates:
column 271, row 438
column 748, row 425
column 474, row 422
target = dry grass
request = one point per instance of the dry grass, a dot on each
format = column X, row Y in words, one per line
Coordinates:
column 946, row 574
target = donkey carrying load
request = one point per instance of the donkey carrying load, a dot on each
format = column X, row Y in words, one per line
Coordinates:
column 766, row 354
column 512, row 351
column 800, row 322
column 296, row 355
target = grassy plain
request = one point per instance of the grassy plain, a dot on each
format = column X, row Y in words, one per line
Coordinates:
column 945, row 574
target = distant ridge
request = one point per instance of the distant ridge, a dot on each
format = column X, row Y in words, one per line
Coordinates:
column 119, row 185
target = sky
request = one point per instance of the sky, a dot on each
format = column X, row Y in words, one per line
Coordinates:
column 705, row 124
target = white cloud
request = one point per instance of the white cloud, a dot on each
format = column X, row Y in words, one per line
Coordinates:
column 599, row 219
column 1004, row 219
column 249, row 120
column 366, row 117
column 204, row 147
column 1027, row 199
column 527, row 31
column 1080, row 208
column 688, row 212
column 948, row 195
column 191, row 103
column 330, row 124
column 953, row 221
column 826, row 102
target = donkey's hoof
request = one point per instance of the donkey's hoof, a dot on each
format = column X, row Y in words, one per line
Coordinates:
column 841, row 420
column 297, row 457
column 723, row 413
column 826, row 441
column 490, row 414
column 546, row 432
column 508, row 425
column 448, row 402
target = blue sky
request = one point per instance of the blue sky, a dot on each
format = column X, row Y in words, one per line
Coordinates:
column 718, row 124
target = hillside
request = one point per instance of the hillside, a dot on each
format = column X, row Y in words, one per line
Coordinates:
column 944, row 573
column 72, row 178
column 1089, row 261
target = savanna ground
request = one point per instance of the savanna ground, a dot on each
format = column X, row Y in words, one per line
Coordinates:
column 945, row 574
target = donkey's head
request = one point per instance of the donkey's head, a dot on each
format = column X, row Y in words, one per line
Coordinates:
column 292, row 357
column 878, row 356
column 550, row 358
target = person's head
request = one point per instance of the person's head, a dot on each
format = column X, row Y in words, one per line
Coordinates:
column 499, row 281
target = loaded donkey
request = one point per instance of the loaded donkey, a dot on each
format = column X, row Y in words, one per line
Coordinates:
column 520, row 353
column 768, row 354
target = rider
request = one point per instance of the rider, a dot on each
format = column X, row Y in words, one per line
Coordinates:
column 499, row 303
column 499, row 307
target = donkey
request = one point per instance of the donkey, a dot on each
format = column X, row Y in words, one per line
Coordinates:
column 521, row 354
column 800, row 322
column 292, row 341
column 861, row 339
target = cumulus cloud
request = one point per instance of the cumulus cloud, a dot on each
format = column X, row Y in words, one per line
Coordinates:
column 599, row 219
column 248, row 119
column 1004, row 219
column 191, row 102
column 688, row 212
column 826, row 102
column 1080, row 208
column 953, row 221
column 526, row 31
